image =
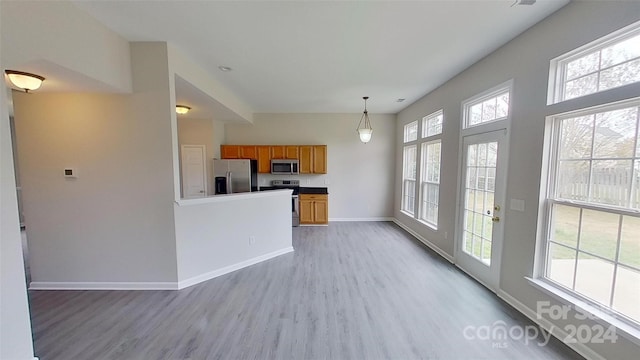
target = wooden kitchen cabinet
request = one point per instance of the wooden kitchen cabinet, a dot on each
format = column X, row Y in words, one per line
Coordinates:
column 314, row 209
column 291, row 152
column 229, row 151
column 277, row 152
column 306, row 159
column 284, row 152
column 264, row 159
column 248, row 152
column 313, row 159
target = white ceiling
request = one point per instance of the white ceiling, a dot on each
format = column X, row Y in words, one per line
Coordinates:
column 322, row 57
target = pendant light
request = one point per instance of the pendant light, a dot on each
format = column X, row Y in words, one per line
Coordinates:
column 365, row 130
column 23, row 80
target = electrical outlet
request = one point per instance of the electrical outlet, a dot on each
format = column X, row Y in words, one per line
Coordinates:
column 326, row 181
column 252, row 240
column 446, row 235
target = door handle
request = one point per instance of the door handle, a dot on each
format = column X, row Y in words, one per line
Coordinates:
column 495, row 219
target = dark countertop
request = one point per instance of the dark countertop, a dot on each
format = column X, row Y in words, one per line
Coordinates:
column 313, row 190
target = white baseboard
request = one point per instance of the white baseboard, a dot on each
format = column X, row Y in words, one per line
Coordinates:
column 362, row 219
column 231, row 268
column 431, row 245
column 53, row 285
column 556, row 331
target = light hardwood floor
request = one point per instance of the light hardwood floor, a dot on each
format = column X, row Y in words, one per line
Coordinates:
column 349, row 291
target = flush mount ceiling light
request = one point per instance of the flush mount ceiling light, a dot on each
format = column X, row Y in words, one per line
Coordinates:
column 225, row 68
column 364, row 126
column 182, row 109
column 23, row 80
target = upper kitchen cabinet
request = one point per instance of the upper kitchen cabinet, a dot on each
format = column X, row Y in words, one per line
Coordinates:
column 264, row 159
column 248, row 152
column 284, row 152
column 313, row 159
column 238, row 152
column 230, row 151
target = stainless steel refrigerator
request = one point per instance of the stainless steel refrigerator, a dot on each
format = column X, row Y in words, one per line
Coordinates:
column 235, row 176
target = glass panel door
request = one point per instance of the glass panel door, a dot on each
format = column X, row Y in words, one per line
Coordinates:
column 481, row 207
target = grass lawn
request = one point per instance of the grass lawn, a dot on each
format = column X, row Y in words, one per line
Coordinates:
column 599, row 234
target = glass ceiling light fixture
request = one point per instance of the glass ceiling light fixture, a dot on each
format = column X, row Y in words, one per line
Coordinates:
column 23, row 80
column 182, row 109
column 365, row 130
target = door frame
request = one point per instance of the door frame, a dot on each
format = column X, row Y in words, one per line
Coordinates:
column 183, row 168
column 488, row 127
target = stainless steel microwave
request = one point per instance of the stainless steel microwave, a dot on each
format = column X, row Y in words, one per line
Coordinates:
column 285, row 167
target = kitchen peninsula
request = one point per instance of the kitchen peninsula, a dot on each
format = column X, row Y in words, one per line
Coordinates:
column 219, row 234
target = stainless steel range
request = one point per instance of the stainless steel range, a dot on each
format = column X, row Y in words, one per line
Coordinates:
column 295, row 204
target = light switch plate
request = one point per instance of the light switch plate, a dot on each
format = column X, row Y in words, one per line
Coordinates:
column 517, row 205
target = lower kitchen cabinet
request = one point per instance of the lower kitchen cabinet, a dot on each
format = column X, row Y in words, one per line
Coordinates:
column 314, row 209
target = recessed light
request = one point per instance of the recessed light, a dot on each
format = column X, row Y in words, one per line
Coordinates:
column 400, row 100
column 225, row 68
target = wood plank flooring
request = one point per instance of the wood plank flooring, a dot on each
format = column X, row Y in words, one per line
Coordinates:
column 349, row 291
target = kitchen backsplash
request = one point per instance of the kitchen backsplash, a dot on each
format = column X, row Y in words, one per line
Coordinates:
column 305, row 180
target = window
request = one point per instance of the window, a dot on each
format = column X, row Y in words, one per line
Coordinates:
column 430, row 182
column 592, row 209
column 432, row 124
column 409, row 169
column 409, row 179
column 604, row 64
column 490, row 107
column 428, row 159
column 411, row 131
column 593, row 204
column 430, row 168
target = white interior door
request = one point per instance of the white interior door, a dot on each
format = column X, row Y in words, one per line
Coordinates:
column 194, row 175
column 482, row 194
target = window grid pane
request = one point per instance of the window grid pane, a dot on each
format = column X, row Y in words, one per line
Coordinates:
column 409, row 179
column 600, row 67
column 593, row 249
column 411, row 131
column 429, row 182
column 484, row 110
column 432, row 124
column 597, row 160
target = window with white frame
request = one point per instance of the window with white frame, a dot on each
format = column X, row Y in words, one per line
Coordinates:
column 490, row 107
column 593, row 237
column 429, row 191
column 409, row 179
column 607, row 63
column 411, row 131
column 592, row 209
column 409, row 163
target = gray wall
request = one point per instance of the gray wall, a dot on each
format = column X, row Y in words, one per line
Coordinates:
column 15, row 326
column 114, row 223
column 526, row 61
column 359, row 176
